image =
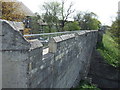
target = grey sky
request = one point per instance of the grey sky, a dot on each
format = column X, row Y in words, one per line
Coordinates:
column 105, row 9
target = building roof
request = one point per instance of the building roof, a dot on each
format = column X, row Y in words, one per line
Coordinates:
column 21, row 8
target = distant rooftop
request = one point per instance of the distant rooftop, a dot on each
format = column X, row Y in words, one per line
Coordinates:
column 21, row 8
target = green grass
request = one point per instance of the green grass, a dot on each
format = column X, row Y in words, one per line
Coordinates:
column 109, row 50
column 86, row 85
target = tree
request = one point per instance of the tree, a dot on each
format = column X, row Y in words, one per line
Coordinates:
column 56, row 15
column 79, row 17
column 9, row 11
column 115, row 30
column 66, row 14
column 35, row 27
column 51, row 16
column 72, row 26
column 87, row 20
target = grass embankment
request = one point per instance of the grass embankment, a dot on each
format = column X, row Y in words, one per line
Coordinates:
column 108, row 48
column 86, row 85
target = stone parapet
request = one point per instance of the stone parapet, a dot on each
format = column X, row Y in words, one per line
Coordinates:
column 25, row 66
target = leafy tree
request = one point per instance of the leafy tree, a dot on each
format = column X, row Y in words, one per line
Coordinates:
column 35, row 27
column 48, row 19
column 66, row 14
column 79, row 17
column 115, row 30
column 52, row 12
column 70, row 26
column 88, row 21
column 9, row 11
column 56, row 15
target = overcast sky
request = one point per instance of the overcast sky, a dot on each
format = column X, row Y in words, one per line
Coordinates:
column 105, row 9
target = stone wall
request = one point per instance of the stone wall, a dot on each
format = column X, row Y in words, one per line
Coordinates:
column 0, row 53
column 25, row 66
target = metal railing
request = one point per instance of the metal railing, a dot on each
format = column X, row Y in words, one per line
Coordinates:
column 55, row 33
column 45, row 37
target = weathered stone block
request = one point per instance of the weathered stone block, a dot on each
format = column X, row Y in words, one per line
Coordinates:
column 57, row 39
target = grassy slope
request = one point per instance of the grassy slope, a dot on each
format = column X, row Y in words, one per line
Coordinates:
column 109, row 50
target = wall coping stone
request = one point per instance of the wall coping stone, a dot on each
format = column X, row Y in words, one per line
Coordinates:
column 81, row 33
column 64, row 37
column 72, row 35
column 8, row 22
column 35, row 44
column 57, row 39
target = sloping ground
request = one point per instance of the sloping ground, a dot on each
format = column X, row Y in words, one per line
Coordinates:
column 109, row 49
column 102, row 73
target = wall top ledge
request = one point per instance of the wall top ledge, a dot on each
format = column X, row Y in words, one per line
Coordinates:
column 57, row 39
column 35, row 44
column 86, row 31
column 65, row 37
column 5, row 21
column 81, row 32
column 62, row 38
